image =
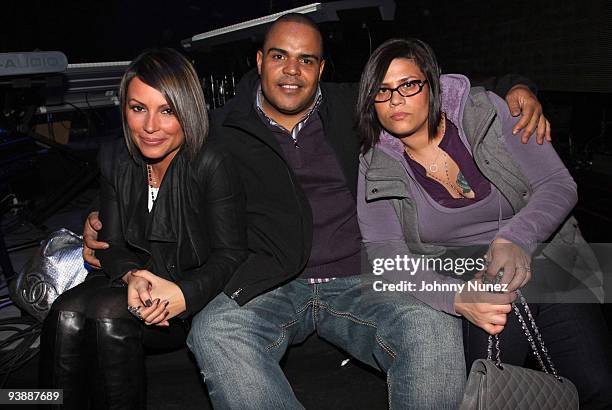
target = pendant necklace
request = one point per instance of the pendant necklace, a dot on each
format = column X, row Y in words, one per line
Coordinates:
column 433, row 165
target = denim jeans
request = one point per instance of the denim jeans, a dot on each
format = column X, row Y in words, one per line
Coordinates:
column 238, row 348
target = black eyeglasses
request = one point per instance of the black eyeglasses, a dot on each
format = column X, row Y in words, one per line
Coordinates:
column 407, row 89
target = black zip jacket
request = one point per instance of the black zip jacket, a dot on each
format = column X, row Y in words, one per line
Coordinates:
column 279, row 218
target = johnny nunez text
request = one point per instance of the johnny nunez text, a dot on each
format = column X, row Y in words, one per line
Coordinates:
column 424, row 286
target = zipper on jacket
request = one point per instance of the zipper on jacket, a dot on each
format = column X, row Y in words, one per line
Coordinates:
column 235, row 294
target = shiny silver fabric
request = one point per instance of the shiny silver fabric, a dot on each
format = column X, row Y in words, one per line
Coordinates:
column 56, row 267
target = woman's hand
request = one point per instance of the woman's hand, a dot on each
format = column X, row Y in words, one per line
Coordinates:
column 165, row 291
column 152, row 311
column 138, row 290
column 510, row 258
column 487, row 310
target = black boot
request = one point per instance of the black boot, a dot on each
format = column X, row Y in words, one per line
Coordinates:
column 62, row 362
column 119, row 371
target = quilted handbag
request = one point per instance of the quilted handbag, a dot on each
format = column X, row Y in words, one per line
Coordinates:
column 494, row 385
column 56, row 267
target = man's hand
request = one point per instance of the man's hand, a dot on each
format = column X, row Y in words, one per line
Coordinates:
column 521, row 100
column 90, row 242
column 510, row 258
column 488, row 311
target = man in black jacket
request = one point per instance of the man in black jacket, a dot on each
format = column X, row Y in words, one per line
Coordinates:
column 297, row 153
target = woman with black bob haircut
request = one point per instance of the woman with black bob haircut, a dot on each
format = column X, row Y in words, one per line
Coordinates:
column 441, row 173
column 373, row 74
column 174, row 217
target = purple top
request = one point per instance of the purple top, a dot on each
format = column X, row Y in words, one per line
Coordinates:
column 554, row 195
column 452, row 145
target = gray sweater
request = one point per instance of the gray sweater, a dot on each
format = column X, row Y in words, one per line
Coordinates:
column 532, row 191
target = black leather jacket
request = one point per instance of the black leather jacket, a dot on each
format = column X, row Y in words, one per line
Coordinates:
column 195, row 234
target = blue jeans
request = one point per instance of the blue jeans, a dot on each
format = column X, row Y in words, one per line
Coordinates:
column 238, row 348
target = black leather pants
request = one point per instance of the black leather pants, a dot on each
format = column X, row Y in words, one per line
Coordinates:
column 63, row 357
column 118, row 370
column 94, row 349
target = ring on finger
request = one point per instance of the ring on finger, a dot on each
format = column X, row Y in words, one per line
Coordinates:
column 135, row 311
column 498, row 277
column 486, row 259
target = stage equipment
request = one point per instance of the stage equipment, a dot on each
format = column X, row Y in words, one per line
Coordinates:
column 38, row 83
column 45, row 62
column 88, row 86
column 319, row 12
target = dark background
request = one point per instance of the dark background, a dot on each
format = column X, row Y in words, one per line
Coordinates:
column 564, row 47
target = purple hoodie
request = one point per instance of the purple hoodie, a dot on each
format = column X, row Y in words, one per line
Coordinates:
column 553, row 197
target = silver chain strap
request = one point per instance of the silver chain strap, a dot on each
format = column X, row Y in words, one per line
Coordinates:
column 536, row 330
column 497, row 350
column 530, row 339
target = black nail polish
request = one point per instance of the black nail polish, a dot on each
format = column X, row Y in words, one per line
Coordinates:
column 148, row 303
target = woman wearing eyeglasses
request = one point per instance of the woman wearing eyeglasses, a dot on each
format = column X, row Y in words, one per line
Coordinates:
column 441, row 170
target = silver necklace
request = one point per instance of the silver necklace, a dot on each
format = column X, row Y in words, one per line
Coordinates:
column 433, row 166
